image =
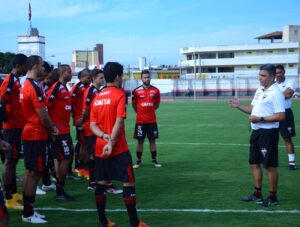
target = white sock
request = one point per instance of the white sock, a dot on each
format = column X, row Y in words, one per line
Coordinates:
column 291, row 157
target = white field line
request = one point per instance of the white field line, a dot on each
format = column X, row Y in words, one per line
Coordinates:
column 204, row 144
column 175, row 210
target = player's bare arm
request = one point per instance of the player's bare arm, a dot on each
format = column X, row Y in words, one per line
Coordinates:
column 235, row 103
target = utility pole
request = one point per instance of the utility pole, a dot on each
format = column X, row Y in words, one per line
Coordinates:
column 87, row 58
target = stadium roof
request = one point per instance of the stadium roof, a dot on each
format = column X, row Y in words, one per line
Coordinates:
column 273, row 35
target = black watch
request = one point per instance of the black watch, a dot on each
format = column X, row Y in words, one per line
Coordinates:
column 262, row 120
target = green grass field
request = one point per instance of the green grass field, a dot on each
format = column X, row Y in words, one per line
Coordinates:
column 203, row 147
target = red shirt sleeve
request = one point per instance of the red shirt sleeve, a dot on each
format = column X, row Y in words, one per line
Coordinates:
column 121, row 108
column 3, row 88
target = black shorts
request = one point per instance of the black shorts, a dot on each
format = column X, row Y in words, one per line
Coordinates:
column 62, row 148
column 3, row 208
column 287, row 126
column 90, row 143
column 13, row 137
column 149, row 129
column 116, row 168
column 35, row 155
column 264, row 147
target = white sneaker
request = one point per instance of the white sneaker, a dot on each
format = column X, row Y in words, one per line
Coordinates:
column 34, row 219
column 156, row 164
column 39, row 191
column 50, row 187
column 38, row 215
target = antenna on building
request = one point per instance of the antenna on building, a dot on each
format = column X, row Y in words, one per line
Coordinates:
column 29, row 16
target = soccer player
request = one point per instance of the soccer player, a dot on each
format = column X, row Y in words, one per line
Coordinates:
column 77, row 91
column 287, row 126
column 266, row 110
column 59, row 101
column 113, row 160
column 98, row 80
column 46, row 82
column 12, row 129
column 145, row 101
column 4, row 146
column 35, row 136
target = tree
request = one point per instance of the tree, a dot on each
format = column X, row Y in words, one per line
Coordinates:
column 6, row 62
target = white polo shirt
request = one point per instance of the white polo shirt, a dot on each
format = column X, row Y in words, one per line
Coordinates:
column 267, row 102
column 285, row 85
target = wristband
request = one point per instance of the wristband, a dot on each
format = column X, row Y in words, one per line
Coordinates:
column 262, row 120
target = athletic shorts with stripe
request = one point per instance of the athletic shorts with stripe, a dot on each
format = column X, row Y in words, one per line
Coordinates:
column 62, row 148
column 35, row 154
column 13, row 137
column 115, row 168
column 149, row 129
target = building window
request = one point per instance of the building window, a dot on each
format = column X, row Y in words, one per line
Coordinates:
column 291, row 50
column 291, row 65
column 249, row 52
column 190, row 70
column 208, row 56
column 189, row 57
column 208, row 69
column 249, row 66
column 270, row 51
column 226, row 69
column 226, row 55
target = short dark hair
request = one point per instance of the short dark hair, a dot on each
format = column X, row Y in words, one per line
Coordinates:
column 54, row 75
column 145, row 71
column 19, row 59
column 82, row 72
column 32, row 60
column 62, row 68
column 270, row 68
column 47, row 67
column 112, row 70
column 281, row 67
column 95, row 72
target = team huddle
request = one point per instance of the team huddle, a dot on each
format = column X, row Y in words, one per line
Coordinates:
column 36, row 113
column 36, row 127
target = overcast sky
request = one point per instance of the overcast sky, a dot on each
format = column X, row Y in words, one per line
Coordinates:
column 129, row 29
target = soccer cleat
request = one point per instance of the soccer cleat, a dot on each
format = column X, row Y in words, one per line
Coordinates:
column 83, row 173
column 253, row 198
column 39, row 215
column 91, row 188
column 270, row 202
column 113, row 190
column 17, row 197
column 50, row 187
column 39, row 191
column 13, row 204
column 19, row 179
column 292, row 166
column 137, row 165
column 71, row 176
column 143, row 224
column 110, row 223
column 64, row 197
column 156, row 164
column 34, row 219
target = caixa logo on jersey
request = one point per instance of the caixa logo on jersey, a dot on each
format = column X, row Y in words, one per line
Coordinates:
column 147, row 104
column 102, row 102
column 68, row 107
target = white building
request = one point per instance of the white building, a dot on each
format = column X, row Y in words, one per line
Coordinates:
column 243, row 60
column 32, row 44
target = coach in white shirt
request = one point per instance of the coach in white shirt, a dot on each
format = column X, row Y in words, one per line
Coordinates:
column 287, row 126
column 266, row 110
